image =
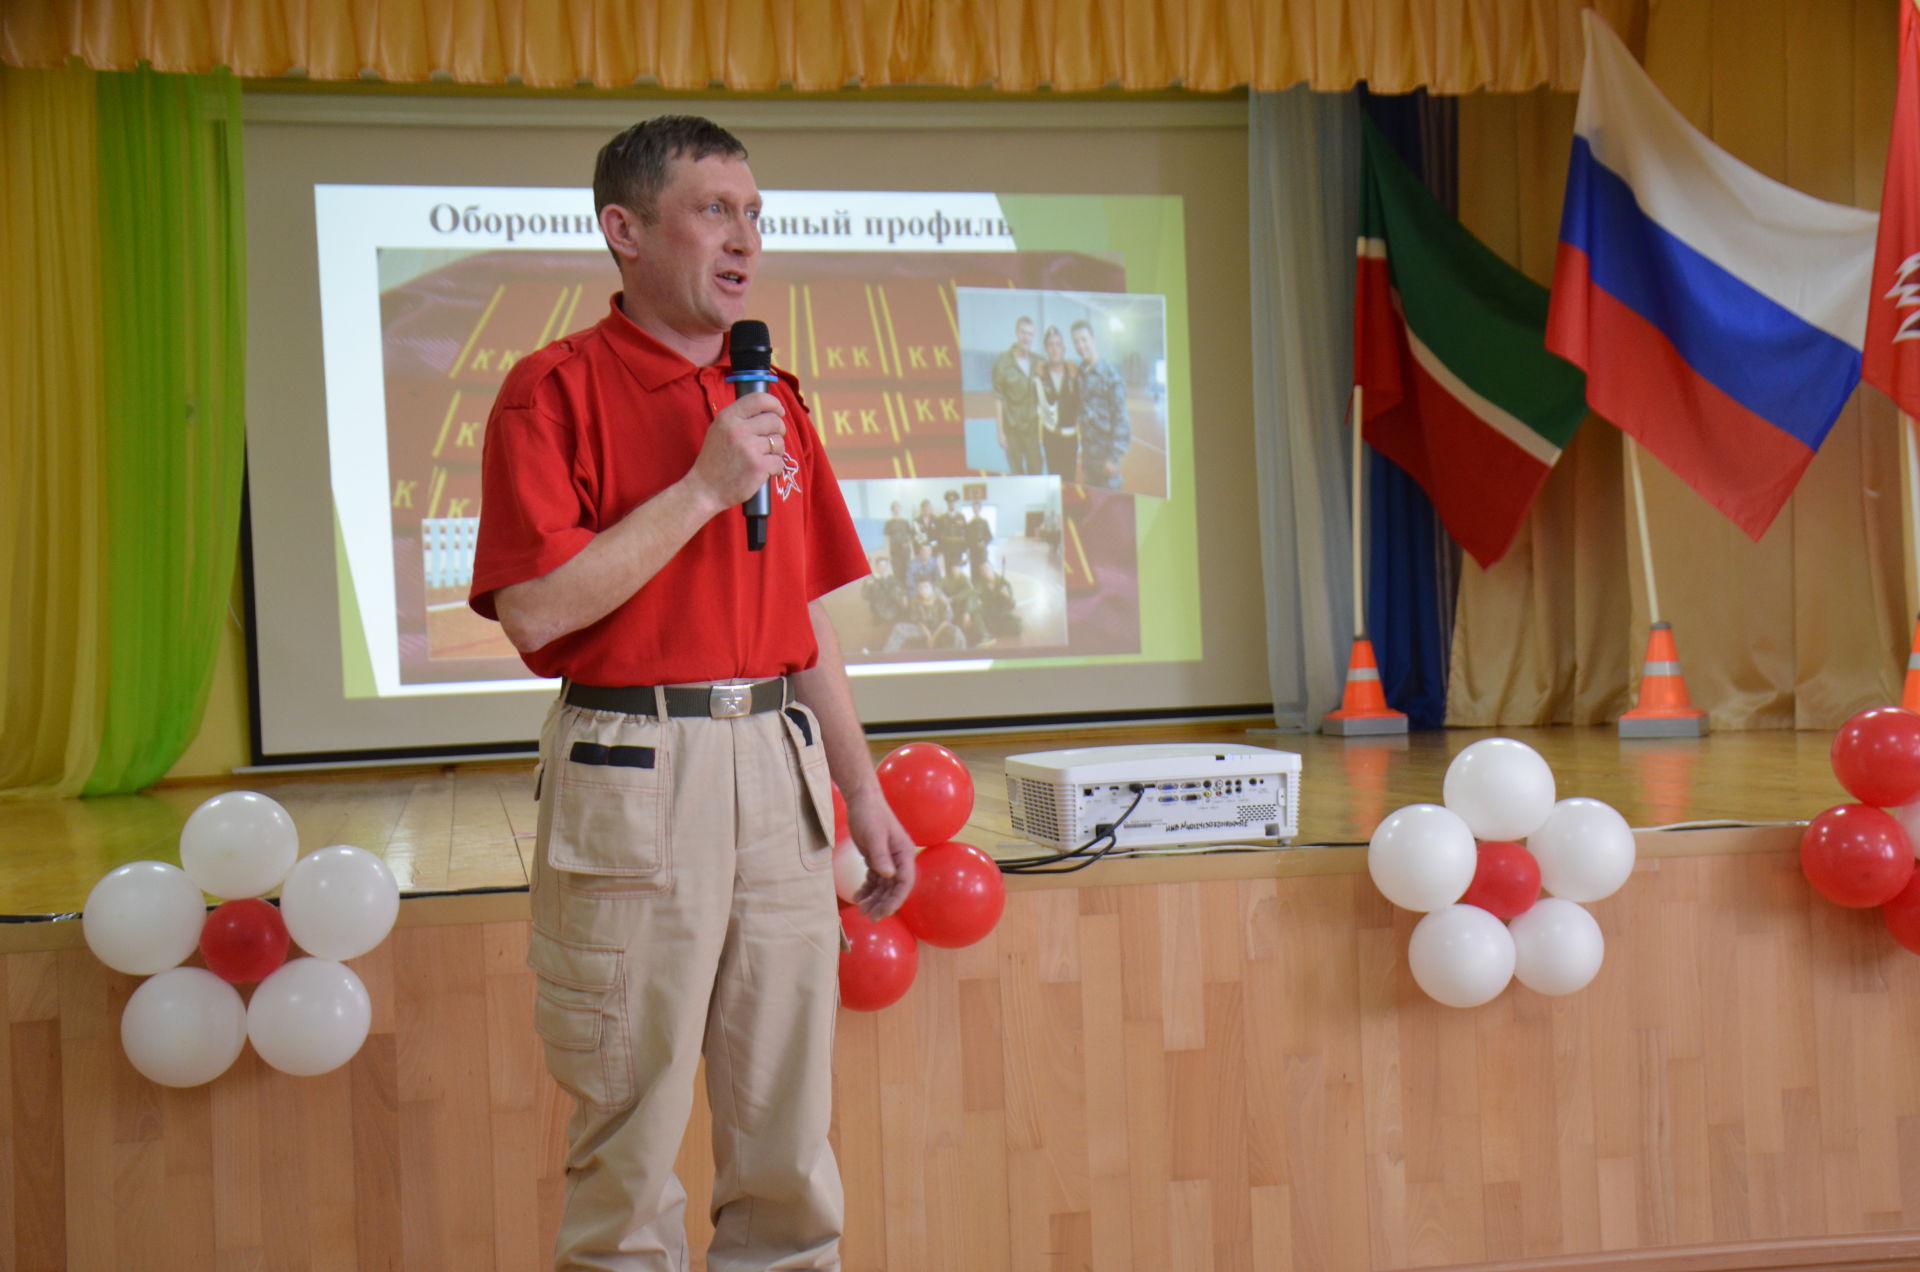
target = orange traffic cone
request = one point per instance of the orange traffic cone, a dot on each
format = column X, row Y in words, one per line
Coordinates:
column 1363, row 707
column 1910, row 694
column 1664, row 710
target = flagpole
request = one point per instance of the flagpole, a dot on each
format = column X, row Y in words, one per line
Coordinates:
column 1359, row 579
column 1646, row 544
column 1363, row 708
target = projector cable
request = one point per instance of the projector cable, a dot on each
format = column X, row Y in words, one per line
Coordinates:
column 1106, row 831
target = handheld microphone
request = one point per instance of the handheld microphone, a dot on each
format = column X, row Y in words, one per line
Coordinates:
column 750, row 350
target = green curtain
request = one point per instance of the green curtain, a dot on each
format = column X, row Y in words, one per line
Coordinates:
column 173, row 308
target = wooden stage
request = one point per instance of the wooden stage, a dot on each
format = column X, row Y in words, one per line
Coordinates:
column 1190, row 1063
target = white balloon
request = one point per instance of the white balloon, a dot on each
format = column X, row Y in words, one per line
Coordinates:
column 239, row 844
column 1461, row 956
column 143, row 917
column 309, row 1017
column 1557, row 947
column 183, row 1027
column 1500, row 787
column 1909, row 819
column 339, row 902
column 849, row 871
column 1585, row 850
column 1422, row 857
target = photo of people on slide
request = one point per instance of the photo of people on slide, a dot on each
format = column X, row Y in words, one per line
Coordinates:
column 1067, row 383
column 962, row 568
column 879, row 344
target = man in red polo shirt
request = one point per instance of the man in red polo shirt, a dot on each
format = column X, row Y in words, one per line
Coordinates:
column 682, row 884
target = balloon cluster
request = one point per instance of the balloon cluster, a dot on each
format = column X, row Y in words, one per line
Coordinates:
column 1859, row 855
column 185, row 1026
column 957, row 894
column 1486, row 922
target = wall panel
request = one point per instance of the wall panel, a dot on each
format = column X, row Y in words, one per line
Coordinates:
column 1228, row 1074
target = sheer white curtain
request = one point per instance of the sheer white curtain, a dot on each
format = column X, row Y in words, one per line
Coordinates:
column 1303, row 175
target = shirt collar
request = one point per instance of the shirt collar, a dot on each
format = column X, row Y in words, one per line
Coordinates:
column 651, row 362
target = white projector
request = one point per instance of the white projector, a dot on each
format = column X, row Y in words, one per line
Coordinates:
column 1188, row 792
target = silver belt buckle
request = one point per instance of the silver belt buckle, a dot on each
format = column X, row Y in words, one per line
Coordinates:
column 726, row 701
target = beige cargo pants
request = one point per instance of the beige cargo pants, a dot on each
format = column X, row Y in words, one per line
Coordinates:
column 683, row 901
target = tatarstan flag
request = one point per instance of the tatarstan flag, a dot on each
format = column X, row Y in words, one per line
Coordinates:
column 1459, row 389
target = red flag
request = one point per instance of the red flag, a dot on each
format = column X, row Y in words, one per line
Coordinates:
column 1891, row 359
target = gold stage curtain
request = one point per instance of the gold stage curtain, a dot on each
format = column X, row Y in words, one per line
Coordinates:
column 1450, row 46
column 1544, row 636
column 52, row 544
column 1811, row 623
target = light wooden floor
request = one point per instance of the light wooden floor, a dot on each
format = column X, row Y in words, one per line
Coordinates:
column 471, row 826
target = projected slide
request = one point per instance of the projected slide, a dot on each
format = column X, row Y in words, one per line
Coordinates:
column 1000, row 383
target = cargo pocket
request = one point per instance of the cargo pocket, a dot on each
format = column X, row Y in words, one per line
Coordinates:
column 609, row 779
column 579, row 1011
column 815, row 803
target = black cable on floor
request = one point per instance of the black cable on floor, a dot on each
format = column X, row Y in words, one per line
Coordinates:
column 1110, row 833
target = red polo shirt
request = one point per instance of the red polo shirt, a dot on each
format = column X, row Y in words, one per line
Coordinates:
column 595, row 424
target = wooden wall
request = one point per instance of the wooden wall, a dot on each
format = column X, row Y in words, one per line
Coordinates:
column 1234, row 1074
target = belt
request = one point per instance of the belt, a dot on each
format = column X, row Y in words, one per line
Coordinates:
column 717, row 701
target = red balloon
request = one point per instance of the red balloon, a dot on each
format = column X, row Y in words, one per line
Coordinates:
column 1856, row 856
column 880, row 966
column 1902, row 914
column 957, row 895
column 1506, row 883
column 244, row 941
column 929, row 790
column 839, row 815
column 1876, row 756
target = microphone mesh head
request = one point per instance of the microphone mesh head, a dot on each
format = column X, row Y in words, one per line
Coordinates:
column 750, row 346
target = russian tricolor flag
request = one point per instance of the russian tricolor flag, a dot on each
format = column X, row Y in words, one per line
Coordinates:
column 1718, row 313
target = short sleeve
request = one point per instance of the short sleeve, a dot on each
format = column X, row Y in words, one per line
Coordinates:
column 835, row 555
column 534, row 514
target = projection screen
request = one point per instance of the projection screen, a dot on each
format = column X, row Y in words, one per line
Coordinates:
column 404, row 252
